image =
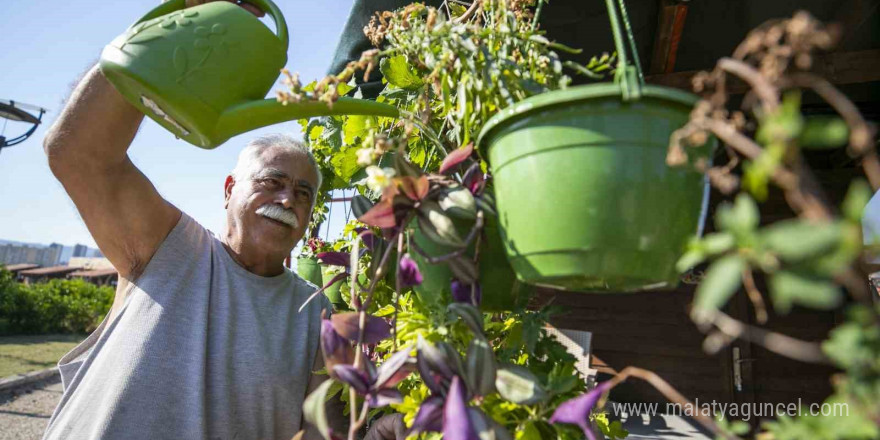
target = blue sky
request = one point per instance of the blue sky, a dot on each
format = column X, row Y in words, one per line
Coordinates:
column 48, row 44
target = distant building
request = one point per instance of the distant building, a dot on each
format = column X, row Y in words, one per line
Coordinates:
column 66, row 254
column 80, row 250
column 14, row 253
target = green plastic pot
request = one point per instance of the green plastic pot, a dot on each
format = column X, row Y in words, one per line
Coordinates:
column 333, row 293
column 585, row 199
column 309, row 270
column 500, row 289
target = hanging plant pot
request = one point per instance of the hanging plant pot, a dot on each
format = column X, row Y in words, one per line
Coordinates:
column 500, row 289
column 309, row 270
column 584, row 196
column 333, row 293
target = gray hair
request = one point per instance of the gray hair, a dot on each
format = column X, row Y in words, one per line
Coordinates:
column 286, row 142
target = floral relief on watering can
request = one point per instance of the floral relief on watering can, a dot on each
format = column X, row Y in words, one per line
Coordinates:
column 203, row 72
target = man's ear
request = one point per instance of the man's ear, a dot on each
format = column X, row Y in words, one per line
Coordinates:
column 227, row 190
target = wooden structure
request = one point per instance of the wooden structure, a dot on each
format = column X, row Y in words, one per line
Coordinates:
column 43, row 274
column 100, row 277
column 16, row 268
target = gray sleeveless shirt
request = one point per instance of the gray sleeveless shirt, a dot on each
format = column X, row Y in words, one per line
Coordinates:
column 201, row 349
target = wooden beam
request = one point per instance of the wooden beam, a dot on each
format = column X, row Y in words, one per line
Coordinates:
column 670, row 24
column 839, row 68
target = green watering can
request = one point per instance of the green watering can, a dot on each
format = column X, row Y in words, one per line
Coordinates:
column 203, row 72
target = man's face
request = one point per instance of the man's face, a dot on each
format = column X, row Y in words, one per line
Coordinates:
column 269, row 205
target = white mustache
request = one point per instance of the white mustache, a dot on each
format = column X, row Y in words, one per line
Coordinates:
column 277, row 213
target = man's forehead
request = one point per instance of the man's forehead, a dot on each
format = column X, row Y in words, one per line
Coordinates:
column 282, row 162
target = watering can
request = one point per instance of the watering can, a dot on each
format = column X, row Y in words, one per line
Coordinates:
column 203, row 72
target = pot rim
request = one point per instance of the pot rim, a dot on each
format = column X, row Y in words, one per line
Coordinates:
column 570, row 95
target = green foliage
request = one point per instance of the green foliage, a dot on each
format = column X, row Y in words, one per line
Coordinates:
column 58, row 306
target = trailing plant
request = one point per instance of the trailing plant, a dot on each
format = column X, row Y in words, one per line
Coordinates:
column 479, row 61
column 453, row 370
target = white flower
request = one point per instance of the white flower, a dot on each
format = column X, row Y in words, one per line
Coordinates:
column 365, row 156
column 379, row 178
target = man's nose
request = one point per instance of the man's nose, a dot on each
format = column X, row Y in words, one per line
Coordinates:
column 286, row 198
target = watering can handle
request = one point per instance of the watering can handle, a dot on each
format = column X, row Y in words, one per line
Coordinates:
column 265, row 5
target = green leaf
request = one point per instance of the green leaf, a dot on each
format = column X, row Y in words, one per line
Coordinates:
column 790, row 287
column 310, row 87
column 857, row 197
column 797, row 240
column 356, row 126
column 480, row 367
column 314, row 411
column 690, row 259
column 437, row 226
column 458, row 202
column 742, row 217
column 399, row 73
column 469, row 314
column 824, row 132
column 529, row 432
column 722, row 280
column 342, row 88
column 345, row 164
column 718, row 243
column 360, row 205
column 463, row 269
column 332, row 133
column 785, row 123
column 518, row 385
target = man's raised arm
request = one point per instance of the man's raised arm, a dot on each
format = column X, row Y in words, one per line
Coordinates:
column 87, row 151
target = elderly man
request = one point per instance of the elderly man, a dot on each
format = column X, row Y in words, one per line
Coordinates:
column 203, row 340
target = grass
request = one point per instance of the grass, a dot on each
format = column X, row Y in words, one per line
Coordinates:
column 23, row 354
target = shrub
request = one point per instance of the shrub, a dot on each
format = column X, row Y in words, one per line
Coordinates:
column 57, row 306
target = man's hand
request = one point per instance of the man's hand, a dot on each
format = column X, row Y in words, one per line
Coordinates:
column 388, row 427
column 247, row 6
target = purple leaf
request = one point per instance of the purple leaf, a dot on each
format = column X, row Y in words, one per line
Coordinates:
column 466, row 293
column 480, row 370
column 577, row 411
column 388, row 373
column 409, row 272
column 384, row 397
column 456, row 423
column 368, row 237
column 485, row 427
column 414, row 188
column 335, row 258
column 335, row 348
column 456, row 157
column 434, row 358
column 429, row 417
column 474, row 180
column 346, row 324
column 352, row 376
column 381, row 215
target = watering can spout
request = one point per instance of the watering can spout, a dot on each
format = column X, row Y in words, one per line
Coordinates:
column 255, row 114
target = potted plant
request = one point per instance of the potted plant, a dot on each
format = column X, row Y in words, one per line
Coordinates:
column 307, row 266
column 426, row 204
column 614, row 216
